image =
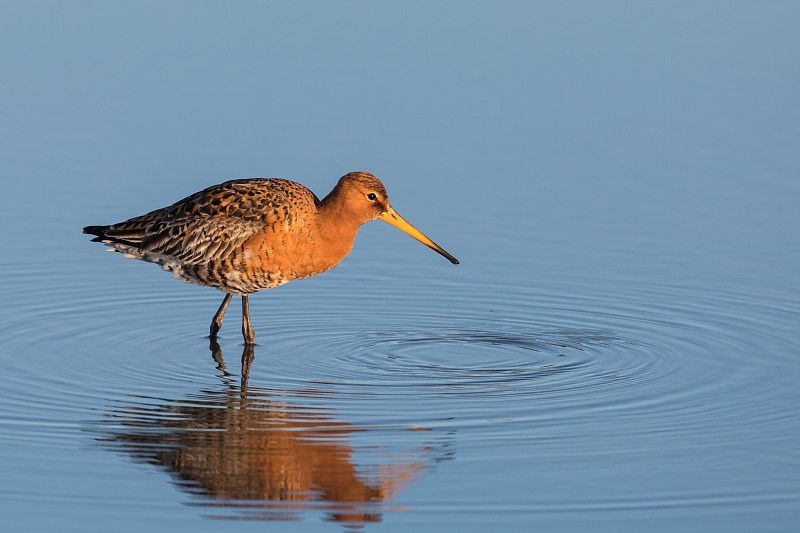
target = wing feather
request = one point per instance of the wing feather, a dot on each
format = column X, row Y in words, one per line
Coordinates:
column 210, row 224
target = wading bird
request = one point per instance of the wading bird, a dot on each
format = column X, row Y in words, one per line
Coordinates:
column 246, row 235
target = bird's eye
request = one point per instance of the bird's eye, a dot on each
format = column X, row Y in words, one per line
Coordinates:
column 372, row 197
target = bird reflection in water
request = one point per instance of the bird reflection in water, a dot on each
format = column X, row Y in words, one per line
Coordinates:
column 266, row 454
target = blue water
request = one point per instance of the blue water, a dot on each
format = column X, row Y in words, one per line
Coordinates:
column 618, row 349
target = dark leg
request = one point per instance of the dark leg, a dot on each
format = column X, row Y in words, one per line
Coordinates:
column 216, row 322
column 247, row 327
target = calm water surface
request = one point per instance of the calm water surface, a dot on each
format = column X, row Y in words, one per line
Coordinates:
column 616, row 351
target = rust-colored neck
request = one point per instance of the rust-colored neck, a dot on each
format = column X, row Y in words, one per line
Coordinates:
column 336, row 225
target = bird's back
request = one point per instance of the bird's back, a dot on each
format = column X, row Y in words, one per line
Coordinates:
column 201, row 238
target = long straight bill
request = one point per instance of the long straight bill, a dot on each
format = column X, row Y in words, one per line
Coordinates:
column 396, row 220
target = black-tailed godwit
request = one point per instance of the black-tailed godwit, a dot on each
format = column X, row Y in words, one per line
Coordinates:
column 246, row 235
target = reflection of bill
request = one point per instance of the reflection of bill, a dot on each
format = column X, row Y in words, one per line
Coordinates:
column 237, row 445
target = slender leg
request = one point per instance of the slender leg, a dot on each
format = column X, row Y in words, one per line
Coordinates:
column 247, row 327
column 216, row 322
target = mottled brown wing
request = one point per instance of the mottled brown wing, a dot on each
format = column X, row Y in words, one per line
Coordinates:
column 210, row 224
column 198, row 240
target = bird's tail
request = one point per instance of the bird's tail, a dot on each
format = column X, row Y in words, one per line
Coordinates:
column 113, row 234
column 99, row 231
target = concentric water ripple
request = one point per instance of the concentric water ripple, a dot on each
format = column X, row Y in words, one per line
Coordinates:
column 392, row 393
